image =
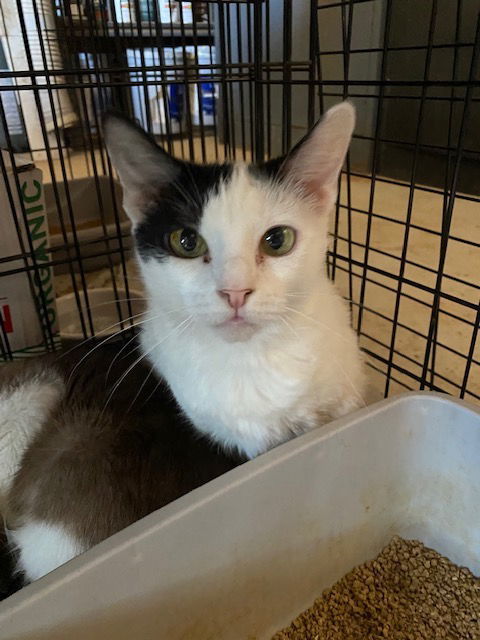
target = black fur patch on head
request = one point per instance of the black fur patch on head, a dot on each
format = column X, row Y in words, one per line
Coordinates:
column 269, row 169
column 179, row 205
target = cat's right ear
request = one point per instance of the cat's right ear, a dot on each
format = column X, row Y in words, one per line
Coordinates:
column 142, row 166
column 315, row 162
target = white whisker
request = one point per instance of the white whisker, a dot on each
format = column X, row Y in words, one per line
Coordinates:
column 114, row 359
column 96, row 335
column 115, row 300
column 345, row 374
column 140, row 358
column 288, row 325
column 195, row 186
column 299, row 294
column 349, row 380
column 186, row 196
column 97, row 346
column 317, row 322
column 160, row 380
column 302, row 294
column 151, row 371
column 141, row 388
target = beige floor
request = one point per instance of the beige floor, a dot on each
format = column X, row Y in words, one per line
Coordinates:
column 387, row 235
column 462, row 262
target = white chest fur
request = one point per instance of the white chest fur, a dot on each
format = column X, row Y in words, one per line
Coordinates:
column 253, row 395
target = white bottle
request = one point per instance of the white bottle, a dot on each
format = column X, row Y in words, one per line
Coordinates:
column 168, row 11
column 204, row 93
column 124, row 11
column 184, row 9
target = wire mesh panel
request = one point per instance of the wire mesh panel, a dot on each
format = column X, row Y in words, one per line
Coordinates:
column 244, row 80
column 406, row 230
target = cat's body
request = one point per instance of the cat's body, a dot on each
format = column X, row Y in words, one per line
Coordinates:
column 242, row 323
column 90, row 469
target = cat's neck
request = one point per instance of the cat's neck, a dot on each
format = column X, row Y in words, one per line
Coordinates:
column 251, row 395
column 175, row 344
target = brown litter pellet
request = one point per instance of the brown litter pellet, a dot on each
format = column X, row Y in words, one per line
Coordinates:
column 409, row 592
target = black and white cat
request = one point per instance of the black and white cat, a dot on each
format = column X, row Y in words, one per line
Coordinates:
column 242, row 323
column 233, row 257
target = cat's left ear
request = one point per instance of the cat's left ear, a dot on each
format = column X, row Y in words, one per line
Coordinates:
column 143, row 167
column 315, row 162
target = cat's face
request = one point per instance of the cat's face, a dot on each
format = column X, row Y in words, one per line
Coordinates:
column 232, row 248
column 259, row 250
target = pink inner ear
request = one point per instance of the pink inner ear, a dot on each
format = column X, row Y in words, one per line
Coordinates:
column 322, row 193
column 317, row 162
column 315, row 171
column 316, row 188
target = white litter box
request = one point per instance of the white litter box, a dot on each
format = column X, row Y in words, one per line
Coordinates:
column 243, row 555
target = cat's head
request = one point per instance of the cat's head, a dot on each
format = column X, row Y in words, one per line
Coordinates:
column 232, row 245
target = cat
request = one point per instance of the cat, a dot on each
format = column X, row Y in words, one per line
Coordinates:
column 233, row 258
column 250, row 336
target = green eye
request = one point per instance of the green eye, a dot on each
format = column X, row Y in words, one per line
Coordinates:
column 278, row 241
column 187, row 243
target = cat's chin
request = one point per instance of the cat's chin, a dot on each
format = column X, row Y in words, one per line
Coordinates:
column 236, row 330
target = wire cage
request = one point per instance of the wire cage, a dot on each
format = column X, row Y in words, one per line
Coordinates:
column 244, row 80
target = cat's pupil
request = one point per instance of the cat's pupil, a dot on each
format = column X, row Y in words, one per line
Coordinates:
column 275, row 238
column 188, row 239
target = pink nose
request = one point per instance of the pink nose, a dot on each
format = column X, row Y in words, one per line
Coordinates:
column 236, row 298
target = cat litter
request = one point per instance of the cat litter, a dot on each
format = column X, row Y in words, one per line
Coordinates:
column 409, row 592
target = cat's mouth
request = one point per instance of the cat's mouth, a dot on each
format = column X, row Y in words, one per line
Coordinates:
column 235, row 320
column 236, row 327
